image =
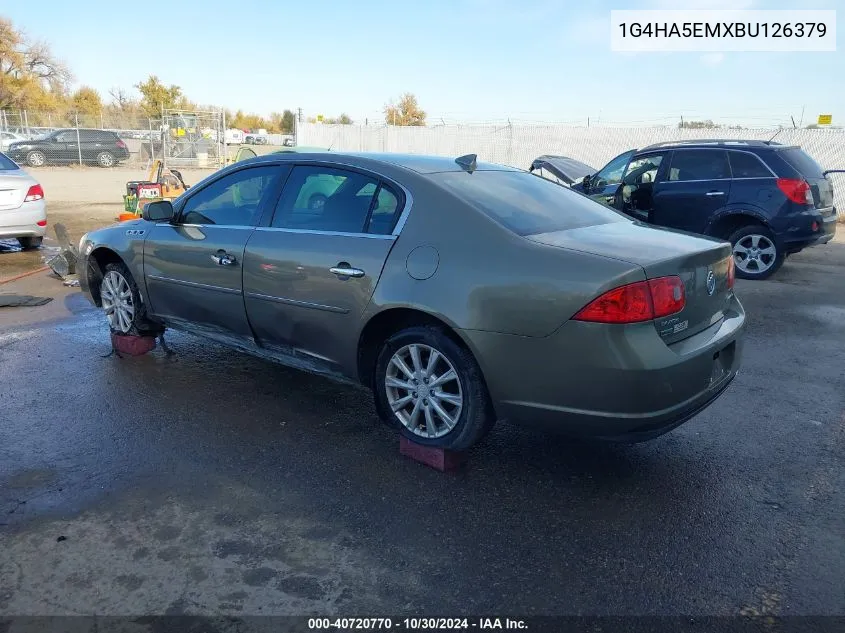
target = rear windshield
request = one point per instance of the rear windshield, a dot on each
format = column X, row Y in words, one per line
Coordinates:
column 524, row 203
column 7, row 164
column 803, row 163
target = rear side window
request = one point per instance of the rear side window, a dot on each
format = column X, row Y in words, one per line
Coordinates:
column 7, row 164
column 524, row 203
column 802, row 163
column 699, row 164
column 745, row 165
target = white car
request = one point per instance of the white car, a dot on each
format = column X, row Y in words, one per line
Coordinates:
column 23, row 212
column 7, row 138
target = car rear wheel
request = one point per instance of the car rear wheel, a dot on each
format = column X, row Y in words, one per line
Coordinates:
column 121, row 301
column 30, row 242
column 36, row 159
column 755, row 252
column 105, row 159
column 432, row 390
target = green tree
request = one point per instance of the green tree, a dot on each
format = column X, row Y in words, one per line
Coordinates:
column 155, row 96
column 86, row 101
column 30, row 77
column 288, row 122
column 405, row 112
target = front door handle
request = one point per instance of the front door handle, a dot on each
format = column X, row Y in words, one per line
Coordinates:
column 222, row 258
column 345, row 270
column 715, row 193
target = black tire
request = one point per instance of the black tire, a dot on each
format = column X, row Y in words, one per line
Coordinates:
column 106, row 159
column 36, row 158
column 140, row 324
column 476, row 417
column 28, row 243
column 316, row 201
column 743, row 237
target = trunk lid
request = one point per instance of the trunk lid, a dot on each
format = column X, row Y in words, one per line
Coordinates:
column 13, row 187
column 701, row 263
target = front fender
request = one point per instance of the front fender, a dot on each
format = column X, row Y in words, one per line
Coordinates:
column 124, row 241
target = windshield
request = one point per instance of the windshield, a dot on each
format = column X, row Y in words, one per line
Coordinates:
column 525, row 204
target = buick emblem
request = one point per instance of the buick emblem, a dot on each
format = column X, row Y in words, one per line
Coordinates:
column 711, row 282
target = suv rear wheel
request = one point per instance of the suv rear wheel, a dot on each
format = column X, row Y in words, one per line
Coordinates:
column 755, row 252
column 105, row 159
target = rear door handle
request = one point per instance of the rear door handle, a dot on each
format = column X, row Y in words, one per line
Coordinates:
column 345, row 270
column 715, row 193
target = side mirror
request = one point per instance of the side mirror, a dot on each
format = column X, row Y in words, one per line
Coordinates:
column 159, row 211
column 586, row 181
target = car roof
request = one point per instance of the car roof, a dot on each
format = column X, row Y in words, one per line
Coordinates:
column 419, row 163
column 729, row 143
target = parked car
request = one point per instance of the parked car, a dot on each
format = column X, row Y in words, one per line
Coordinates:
column 23, row 212
column 7, row 138
column 560, row 169
column 99, row 147
column 459, row 292
column 768, row 200
column 255, row 139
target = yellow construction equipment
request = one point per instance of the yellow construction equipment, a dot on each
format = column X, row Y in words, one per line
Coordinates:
column 163, row 183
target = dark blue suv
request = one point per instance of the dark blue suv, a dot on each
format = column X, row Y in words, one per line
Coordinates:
column 768, row 200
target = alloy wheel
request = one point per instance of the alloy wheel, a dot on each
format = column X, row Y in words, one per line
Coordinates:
column 424, row 390
column 116, row 296
column 754, row 254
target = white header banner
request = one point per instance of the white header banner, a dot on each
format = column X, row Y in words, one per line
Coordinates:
column 732, row 30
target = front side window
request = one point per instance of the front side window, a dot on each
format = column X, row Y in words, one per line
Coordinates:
column 699, row 164
column 66, row 137
column 611, row 174
column 643, row 169
column 233, row 200
column 336, row 200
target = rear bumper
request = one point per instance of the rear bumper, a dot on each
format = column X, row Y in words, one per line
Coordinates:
column 802, row 235
column 23, row 221
column 618, row 383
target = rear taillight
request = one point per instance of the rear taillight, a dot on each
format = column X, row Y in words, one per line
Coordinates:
column 796, row 190
column 731, row 272
column 35, row 193
column 121, row 144
column 42, row 223
column 636, row 302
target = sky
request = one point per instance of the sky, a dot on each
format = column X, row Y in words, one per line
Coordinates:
column 465, row 60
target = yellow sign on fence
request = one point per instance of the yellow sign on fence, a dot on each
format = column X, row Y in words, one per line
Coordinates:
column 825, row 119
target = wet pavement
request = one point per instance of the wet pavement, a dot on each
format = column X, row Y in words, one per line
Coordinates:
column 212, row 482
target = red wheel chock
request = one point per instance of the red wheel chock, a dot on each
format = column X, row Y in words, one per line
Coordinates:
column 441, row 459
column 132, row 345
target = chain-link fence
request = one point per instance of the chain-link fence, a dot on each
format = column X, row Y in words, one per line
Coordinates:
column 519, row 144
column 187, row 139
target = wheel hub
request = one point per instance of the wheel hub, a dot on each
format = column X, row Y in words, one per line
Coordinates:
column 424, row 390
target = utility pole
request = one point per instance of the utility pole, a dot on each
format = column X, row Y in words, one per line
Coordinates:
column 299, row 114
